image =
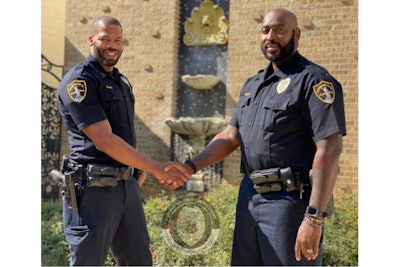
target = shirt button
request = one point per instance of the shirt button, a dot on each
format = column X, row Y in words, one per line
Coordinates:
column 250, row 124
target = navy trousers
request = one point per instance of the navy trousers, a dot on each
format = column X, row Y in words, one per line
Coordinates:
column 108, row 219
column 266, row 228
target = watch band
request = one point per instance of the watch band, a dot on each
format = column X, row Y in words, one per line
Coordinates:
column 312, row 211
column 191, row 164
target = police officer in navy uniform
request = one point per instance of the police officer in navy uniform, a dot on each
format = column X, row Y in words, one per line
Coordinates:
column 289, row 120
column 96, row 103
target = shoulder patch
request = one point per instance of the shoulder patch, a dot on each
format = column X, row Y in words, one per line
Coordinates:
column 77, row 90
column 325, row 92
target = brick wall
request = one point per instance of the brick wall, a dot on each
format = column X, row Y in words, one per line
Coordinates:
column 329, row 37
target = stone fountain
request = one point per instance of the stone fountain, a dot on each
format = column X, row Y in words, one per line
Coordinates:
column 197, row 129
column 201, row 89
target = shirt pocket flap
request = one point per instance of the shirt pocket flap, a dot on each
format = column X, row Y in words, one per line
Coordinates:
column 277, row 104
column 243, row 101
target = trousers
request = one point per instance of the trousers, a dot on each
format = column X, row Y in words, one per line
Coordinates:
column 108, row 219
column 266, row 228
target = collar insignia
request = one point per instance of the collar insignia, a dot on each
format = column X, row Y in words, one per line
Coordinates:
column 125, row 80
column 325, row 92
column 109, row 87
column 77, row 90
column 247, row 94
column 283, row 85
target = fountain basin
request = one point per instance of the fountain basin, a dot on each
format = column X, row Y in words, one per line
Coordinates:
column 201, row 81
column 196, row 126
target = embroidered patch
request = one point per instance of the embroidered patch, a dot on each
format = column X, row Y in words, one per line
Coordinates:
column 77, row 90
column 283, row 85
column 325, row 92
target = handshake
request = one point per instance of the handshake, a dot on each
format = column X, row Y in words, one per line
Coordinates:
column 170, row 175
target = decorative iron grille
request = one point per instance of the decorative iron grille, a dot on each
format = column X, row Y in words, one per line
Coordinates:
column 50, row 129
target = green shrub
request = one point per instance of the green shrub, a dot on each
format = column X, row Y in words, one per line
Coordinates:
column 223, row 201
column 340, row 241
column 341, row 232
column 54, row 247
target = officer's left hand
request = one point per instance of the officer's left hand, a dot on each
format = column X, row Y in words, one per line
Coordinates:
column 307, row 241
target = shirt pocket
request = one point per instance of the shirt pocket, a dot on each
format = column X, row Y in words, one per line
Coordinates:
column 242, row 106
column 112, row 101
column 277, row 114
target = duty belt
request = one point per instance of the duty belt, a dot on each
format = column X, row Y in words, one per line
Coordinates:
column 280, row 179
column 99, row 175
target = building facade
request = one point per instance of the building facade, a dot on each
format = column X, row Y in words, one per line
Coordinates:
column 159, row 54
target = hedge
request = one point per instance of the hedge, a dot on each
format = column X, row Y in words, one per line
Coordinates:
column 340, row 240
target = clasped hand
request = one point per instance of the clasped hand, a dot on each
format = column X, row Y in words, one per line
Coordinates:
column 173, row 177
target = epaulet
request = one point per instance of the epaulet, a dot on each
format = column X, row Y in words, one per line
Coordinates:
column 304, row 63
column 88, row 70
column 84, row 71
column 255, row 76
column 80, row 68
column 312, row 67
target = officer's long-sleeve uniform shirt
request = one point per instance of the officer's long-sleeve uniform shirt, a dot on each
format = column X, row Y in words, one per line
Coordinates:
column 280, row 115
column 88, row 94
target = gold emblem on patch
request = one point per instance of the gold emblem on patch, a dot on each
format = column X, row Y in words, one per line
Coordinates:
column 77, row 90
column 283, row 85
column 325, row 92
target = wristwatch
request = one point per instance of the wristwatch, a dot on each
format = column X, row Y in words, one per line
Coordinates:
column 191, row 164
column 314, row 212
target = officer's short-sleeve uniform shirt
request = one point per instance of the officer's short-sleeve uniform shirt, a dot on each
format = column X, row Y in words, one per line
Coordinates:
column 88, row 94
column 281, row 115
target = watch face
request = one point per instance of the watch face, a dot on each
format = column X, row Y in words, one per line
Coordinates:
column 312, row 211
column 315, row 212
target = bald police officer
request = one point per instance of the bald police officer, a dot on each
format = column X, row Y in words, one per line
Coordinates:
column 289, row 119
column 97, row 106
